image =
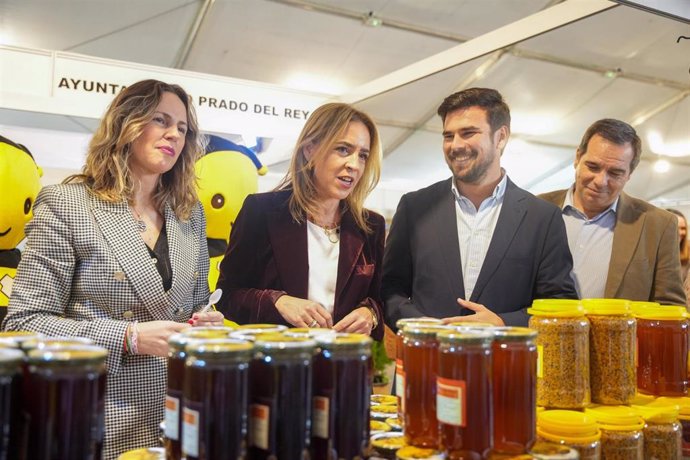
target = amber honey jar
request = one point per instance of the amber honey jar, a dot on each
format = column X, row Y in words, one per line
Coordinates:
column 514, row 389
column 11, row 421
column 420, row 357
column 612, row 342
column 663, row 339
column 280, row 392
column 463, row 393
column 173, row 396
column 562, row 353
column 215, row 399
column 342, row 381
column 399, row 380
column 65, row 412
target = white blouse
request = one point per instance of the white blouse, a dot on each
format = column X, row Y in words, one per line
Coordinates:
column 323, row 266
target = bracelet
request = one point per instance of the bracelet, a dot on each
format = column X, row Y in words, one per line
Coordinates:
column 374, row 318
column 131, row 339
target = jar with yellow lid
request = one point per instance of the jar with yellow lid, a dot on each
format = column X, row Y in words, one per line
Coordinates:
column 385, row 445
column 463, row 393
column 573, row 429
column 663, row 338
column 612, row 342
column 215, row 398
column 621, row 431
column 311, row 332
column 280, row 392
column 417, row 453
column 663, row 433
column 11, row 423
column 53, row 342
column 420, row 357
column 17, row 337
column 150, row 453
column 66, row 411
column 514, row 389
column 177, row 354
column 471, row 324
column 563, row 353
column 399, row 386
column 543, row 450
column 683, row 405
column 383, row 400
column 341, row 394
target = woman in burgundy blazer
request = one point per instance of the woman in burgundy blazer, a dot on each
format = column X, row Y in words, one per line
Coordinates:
column 309, row 254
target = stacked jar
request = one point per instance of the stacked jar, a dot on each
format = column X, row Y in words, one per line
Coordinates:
column 420, row 358
column 464, row 393
column 177, row 354
column 573, row 429
column 662, row 431
column 11, row 423
column 663, row 338
column 514, row 389
column 563, row 353
column 612, row 341
column 621, row 431
column 684, row 416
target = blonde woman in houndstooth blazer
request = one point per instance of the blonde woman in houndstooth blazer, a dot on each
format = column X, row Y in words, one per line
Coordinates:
column 118, row 254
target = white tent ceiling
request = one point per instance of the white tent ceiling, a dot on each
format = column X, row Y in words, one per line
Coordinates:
column 556, row 83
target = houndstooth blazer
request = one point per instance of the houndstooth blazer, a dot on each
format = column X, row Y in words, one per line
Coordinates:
column 86, row 272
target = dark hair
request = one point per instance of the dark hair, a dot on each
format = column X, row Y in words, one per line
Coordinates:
column 616, row 131
column 497, row 111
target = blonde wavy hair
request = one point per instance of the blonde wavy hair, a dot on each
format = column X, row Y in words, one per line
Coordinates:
column 106, row 172
column 324, row 128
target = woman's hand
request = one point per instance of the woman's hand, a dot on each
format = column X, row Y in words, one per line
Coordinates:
column 209, row 318
column 152, row 336
column 358, row 320
column 303, row 312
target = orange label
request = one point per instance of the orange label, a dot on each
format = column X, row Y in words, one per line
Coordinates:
column 171, row 403
column 451, row 401
column 190, row 417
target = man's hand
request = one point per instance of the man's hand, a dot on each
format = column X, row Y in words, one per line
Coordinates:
column 481, row 314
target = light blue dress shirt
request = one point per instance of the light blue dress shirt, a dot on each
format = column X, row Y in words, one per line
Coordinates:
column 590, row 242
column 475, row 229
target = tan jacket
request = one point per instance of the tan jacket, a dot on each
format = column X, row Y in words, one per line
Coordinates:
column 645, row 259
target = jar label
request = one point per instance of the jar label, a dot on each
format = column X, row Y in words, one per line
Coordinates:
column 400, row 389
column 320, row 417
column 398, row 377
column 190, row 432
column 451, row 402
column 259, row 425
column 540, row 361
column 172, row 417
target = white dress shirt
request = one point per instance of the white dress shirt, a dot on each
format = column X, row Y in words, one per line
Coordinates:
column 323, row 267
column 475, row 229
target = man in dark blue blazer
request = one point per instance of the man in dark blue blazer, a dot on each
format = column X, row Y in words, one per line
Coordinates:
column 474, row 247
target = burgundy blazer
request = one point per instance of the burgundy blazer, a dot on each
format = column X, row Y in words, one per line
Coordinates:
column 268, row 254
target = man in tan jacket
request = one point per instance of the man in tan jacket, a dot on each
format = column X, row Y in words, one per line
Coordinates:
column 622, row 247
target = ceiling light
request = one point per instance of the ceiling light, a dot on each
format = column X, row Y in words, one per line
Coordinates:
column 658, row 145
column 372, row 21
column 613, row 73
column 662, row 166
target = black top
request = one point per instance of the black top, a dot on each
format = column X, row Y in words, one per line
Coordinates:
column 161, row 254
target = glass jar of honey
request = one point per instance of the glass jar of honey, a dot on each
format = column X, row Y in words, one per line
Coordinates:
column 621, row 431
column 612, row 342
column 173, row 396
column 215, row 399
column 663, row 431
column 420, row 357
column 280, row 392
column 399, row 379
column 463, row 393
column 663, row 339
column 573, row 429
column 514, row 389
column 65, row 409
column 563, row 353
column 11, row 420
column 342, row 380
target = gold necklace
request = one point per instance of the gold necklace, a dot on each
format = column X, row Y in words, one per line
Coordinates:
column 332, row 233
column 141, row 225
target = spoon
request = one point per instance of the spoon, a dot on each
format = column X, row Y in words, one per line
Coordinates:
column 213, row 298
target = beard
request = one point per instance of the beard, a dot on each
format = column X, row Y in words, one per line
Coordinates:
column 476, row 168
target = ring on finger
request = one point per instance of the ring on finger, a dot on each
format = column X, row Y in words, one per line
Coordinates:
column 314, row 323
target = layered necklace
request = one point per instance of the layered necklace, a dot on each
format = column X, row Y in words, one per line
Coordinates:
column 331, row 230
column 141, row 225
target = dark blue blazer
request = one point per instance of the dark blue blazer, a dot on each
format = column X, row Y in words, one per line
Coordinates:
column 528, row 258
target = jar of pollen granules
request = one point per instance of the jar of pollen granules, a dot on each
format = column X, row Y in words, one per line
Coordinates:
column 563, row 353
column 573, row 429
column 621, row 431
column 684, row 417
column 612, row 342
column 662, row 431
